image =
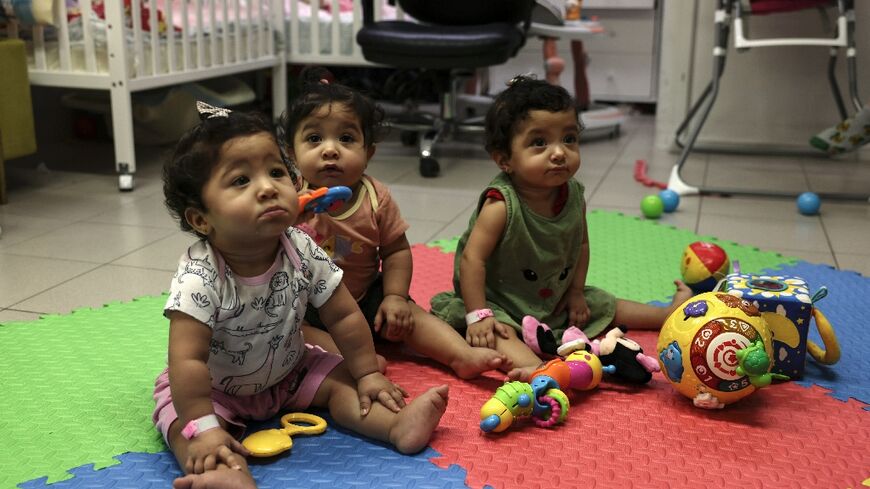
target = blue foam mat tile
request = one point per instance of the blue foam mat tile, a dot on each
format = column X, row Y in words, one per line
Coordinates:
column 337, row 458
column 847, row 307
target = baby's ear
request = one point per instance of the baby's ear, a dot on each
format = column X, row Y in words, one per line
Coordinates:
column 501, row 159
column 370, row 152
column 197, row 221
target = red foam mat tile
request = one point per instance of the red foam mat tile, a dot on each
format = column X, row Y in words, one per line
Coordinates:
column 433, row 273
column 782, row 436
column 620, row 436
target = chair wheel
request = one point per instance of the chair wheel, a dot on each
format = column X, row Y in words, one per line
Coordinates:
column 429, row 167
column 408, row 138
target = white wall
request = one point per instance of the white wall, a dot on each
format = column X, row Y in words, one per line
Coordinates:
column 777, row 96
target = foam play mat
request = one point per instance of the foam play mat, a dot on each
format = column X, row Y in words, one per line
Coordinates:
column 76, row 400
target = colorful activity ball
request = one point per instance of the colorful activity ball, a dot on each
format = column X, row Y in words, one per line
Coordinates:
column 703, row 265
column 652, row 206
column 715, row 349
column 809, row 203
column 670, row 199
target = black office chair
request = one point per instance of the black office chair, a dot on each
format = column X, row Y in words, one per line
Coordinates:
column 452, row 37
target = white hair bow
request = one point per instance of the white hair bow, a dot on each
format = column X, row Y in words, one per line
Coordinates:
column 207, row 111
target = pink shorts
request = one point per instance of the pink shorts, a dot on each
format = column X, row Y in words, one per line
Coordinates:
column 295, row 391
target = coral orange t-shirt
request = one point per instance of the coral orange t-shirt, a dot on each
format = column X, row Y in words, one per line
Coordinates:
column 353, row 238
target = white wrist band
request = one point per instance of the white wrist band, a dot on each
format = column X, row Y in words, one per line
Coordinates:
column 477, row 315
column 199, row 425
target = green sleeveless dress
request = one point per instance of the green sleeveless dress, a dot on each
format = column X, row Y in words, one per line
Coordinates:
column 531, row 267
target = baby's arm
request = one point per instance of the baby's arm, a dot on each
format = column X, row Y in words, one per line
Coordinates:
column 190, row 382
column 484, row 237
column 348, row 327
column 394, row 311
column 574, row 299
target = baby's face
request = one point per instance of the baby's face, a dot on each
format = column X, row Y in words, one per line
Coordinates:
column 249, row 195
column 545, row 150
column 329, row 148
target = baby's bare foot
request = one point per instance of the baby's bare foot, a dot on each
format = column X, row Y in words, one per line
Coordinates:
column 475, row 361
column 221, row 478
column 522, row 374
column 415, row 423
column 682, row 294
column 382, row 364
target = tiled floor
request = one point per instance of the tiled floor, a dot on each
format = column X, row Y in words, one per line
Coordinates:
column 70, row 239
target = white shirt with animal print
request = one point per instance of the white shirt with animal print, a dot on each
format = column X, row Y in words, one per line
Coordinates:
column 255, row 321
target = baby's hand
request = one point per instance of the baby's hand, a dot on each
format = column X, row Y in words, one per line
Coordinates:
column 482, row 333
column 395, row 314
column 375, row 386
column 228, row 475
column 205, row 451
column 578, row 310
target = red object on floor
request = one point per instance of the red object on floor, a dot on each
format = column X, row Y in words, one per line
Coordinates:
column 642, row 436
column 640, row 176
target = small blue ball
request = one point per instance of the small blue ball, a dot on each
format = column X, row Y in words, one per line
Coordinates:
column 670, row 199
column 809, row 203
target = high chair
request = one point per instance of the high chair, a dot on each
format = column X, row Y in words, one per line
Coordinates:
column 734, row 14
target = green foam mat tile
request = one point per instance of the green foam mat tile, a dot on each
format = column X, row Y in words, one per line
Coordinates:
column 647, row 254
column 630, row 256
column 447, row 245
column 77, row 388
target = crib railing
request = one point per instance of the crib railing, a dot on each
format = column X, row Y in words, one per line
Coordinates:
column 195, row 36
column 305, row 34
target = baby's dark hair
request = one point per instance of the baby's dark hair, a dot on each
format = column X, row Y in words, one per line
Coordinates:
column 316, row 94
column 523, row 95
column 197, row 152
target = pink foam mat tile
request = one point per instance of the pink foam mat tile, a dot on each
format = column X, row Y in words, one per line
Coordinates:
column 650, row 436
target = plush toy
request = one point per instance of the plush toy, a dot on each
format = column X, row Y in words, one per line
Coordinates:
column 615, row 349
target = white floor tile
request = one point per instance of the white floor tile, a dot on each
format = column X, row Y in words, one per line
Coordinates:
column 21, row 228
column 847, row 226
column 10, row 315
column 767, row 234
column 159, row 255
column 88, row 241
column 432, row 204
column 148, row 211
column 98, row 287
column 743, row 205
column 856, row 263
column 815, row 257
column 24, row 276
column 48, row 203
column 423, row 230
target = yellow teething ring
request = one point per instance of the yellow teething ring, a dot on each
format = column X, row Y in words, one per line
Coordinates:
column 831, row 354
column 318, row 424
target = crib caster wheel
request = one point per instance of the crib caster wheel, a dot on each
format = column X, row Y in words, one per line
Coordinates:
column 429, row 167
column 409, row 138
column 125, row 179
